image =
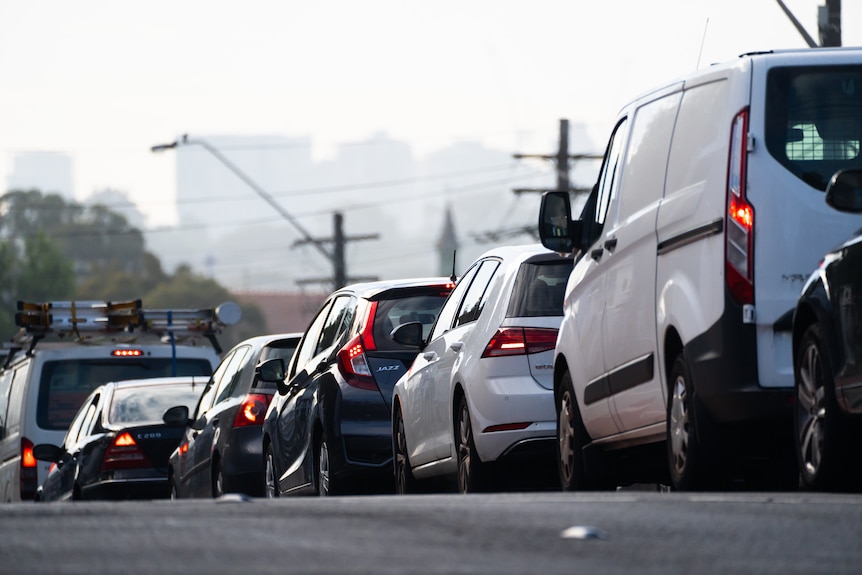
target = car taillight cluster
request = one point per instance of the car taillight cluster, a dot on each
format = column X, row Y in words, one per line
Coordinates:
column 520, row 341
column 253, row 410
column 28, row 472
column 739, row 245
column 124, row 453
column 352, row 362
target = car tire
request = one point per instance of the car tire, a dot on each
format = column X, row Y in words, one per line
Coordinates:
column 217, row 479
column 471, row 471
column 572, row 437
column 694, row 448
column 405, row 483
column 819, row 437
column 323, row 481
column 270, row 481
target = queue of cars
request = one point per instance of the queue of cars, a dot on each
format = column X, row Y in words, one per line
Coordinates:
column 667, row 333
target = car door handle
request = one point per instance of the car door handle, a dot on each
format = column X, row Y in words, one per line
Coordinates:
column 611, row 244
column 456, row 346
column 596, row 254
column 215, row 421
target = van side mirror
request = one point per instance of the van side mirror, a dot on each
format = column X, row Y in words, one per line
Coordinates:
column 557, row 231
column 844, row 192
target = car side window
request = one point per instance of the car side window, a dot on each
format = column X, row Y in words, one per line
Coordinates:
column 477, row 293
column 337, row 322
column 230, row 377
column 447, row 314
column 608, row 180
column 5, row 391
column 308, row 346
column 88, row 420
column 206, row 400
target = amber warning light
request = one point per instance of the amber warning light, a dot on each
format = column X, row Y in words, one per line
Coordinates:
column 127, row 353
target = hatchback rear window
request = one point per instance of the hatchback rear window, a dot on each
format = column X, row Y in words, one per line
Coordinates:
column 540, row 288
column 814, row 120
column 147, row 404
column 394, row 312
column 65, row 384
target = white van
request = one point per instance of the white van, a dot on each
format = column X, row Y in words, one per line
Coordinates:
column 44, row 382
column 692, row 249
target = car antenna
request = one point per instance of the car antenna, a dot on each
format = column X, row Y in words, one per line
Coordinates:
column 453, row 278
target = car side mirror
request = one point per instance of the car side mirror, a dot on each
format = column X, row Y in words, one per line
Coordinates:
column 844, row 192
column 271, row 370
column 409, row 334
column 176, row 416
column 48, row 452
column 557, row 231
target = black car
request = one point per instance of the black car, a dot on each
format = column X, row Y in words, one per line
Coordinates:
column 328, row 429
column 221, row 449
column 827, row 351
column 118, row 443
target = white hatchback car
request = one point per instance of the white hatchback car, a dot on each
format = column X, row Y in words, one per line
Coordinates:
column 481, row 388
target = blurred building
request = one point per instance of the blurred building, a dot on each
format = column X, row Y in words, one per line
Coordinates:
column 48, row 172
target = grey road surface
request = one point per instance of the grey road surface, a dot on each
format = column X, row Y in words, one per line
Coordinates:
column 523, row 533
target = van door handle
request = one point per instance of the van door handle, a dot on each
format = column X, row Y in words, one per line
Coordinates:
column 611, row 244
column 430, row 356
column 456, row 346
column 596, row 254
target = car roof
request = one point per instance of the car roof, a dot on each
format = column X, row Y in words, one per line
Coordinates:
column 372, row 290
column 522, row 252
column 263, row 340
column 157, row 381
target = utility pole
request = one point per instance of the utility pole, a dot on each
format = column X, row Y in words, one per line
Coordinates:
column 561, row 160
column 338, row 240
column 828, row 23
column 336, row 256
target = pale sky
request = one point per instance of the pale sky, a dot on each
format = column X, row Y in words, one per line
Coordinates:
column 104, row 80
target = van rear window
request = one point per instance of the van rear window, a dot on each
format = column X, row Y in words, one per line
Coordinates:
column 65, row 384
column 814, row 120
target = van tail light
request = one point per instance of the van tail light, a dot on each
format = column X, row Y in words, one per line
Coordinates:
column 353, row 365
column 252, row 411
column 28, row 473
column 520, row 341
column 124, row 453
column 739, row 236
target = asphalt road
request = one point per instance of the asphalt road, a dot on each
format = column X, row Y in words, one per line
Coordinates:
column 526, row 533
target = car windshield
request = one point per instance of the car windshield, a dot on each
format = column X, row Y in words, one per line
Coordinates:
column 65, row 384
column 148, row 403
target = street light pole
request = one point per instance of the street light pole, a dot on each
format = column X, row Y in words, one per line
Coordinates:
column 185, row 141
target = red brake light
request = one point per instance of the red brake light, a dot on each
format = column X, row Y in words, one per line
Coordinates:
column 28, row 479
column 127, row 353
column 253, row 410
column 739, row 242
column 354, row 365
column 520, row 341
column 124, row 453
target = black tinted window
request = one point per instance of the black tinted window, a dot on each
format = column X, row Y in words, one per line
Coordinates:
column 477, row 293
column 540, row 288
column 65, row 384
column 814, row 120
column 394, row 312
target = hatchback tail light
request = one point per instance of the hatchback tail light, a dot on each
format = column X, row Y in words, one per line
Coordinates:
column 253, row 410
column 124, row 453
column 354, row 365
column 28, row 480
column 520, row 341
column 739, row 236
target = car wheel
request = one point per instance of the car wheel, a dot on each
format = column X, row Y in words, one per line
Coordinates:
column 819, row 444
column 324, row 470
column 269, row 476
column 691, row 464
column 404, row 481
column 218, row 480
column 471, row 472
column 572, row 437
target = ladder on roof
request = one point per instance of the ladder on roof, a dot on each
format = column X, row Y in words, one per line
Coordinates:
column 88, row 320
